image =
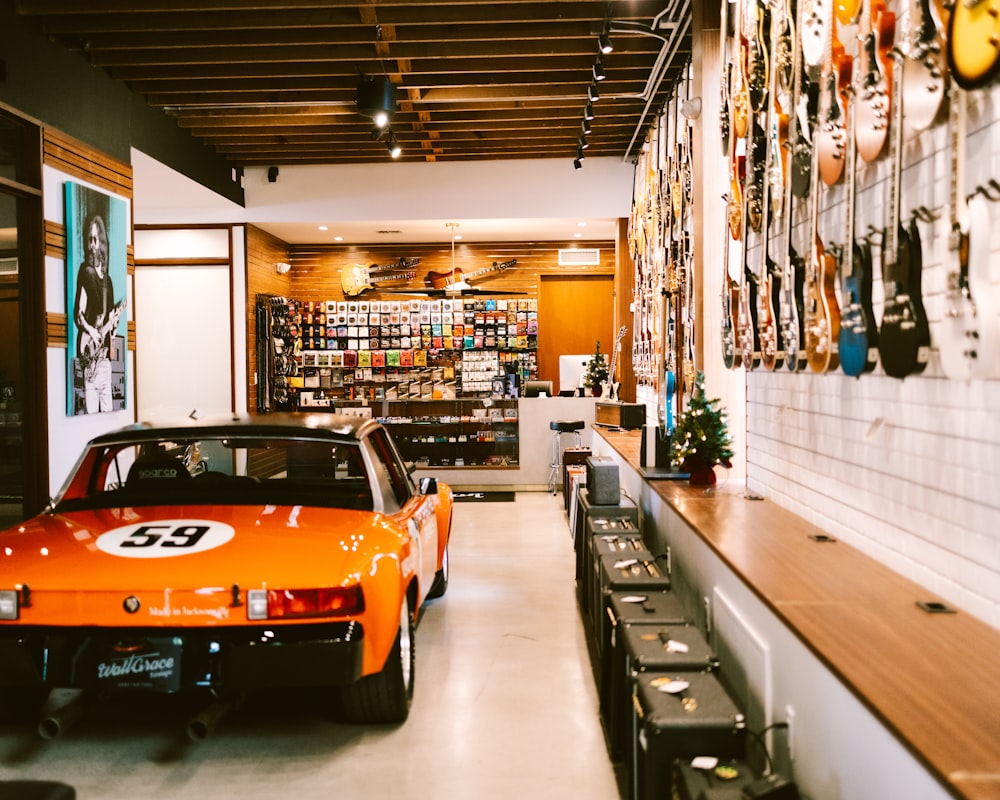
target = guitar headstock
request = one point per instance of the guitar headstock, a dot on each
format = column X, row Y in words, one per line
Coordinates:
column 500, row 266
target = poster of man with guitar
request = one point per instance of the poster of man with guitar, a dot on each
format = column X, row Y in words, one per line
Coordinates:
column 95, row 242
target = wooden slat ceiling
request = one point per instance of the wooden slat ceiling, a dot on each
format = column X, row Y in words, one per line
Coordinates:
column 274, row 83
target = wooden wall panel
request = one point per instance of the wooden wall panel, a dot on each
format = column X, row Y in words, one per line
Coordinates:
column 77, row 158
column 316, row 270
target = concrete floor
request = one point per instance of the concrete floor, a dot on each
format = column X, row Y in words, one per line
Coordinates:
column 505, row 701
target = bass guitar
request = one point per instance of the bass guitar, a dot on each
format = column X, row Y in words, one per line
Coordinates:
column 609, row 389
column 904, row 336
column 969, row 328
column 446, row 280
column 357, row 278
column 973, row 37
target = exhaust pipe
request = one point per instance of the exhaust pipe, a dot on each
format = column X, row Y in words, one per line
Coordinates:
column 59, row 720
column 206, row 721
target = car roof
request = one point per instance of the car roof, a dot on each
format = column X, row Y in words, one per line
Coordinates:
column 315, row 426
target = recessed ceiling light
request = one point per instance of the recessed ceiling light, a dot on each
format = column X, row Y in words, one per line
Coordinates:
column 582, row 224
column 324, row 227
column 338, row 238
column 577, row 235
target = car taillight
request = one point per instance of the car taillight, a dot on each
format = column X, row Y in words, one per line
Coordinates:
column 9, row 606
column 337, row 601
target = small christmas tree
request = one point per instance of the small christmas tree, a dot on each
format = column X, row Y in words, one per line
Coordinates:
column 701, row 439
column 597, row 369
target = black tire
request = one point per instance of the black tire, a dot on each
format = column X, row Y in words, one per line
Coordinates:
column 385, row 697
column 440, row 585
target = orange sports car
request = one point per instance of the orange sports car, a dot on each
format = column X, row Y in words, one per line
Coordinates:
column 232, row 554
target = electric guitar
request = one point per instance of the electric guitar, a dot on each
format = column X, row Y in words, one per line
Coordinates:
column 740, row 90
column 969, row 327
column 973, row 37
column 832, row 130
column 357, row 278
column 903, row 338
column 609, row 389
column 876, row 95
column 445, row 280
column 924, row 74
column 748, row 336
column 822, row 314
column 815, row 29
column 92, row 352
column 858, row 337
column 847, row 10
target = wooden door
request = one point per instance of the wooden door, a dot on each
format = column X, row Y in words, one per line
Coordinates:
column 574, row 312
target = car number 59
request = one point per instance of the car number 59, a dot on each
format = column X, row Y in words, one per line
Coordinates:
column 165, row 538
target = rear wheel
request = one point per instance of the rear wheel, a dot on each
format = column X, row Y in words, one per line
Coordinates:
column 385, row 697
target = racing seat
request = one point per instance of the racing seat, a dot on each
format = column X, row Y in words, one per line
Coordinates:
column 154, row 469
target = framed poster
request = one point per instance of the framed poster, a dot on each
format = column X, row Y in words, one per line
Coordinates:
column 96, row 276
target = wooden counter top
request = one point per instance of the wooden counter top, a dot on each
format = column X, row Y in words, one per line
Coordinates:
column 931, row 679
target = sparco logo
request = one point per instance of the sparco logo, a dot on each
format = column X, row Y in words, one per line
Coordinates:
column 151, row 664
column 131, row 604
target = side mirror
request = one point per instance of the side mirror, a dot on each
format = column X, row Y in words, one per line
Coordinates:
column 428, row 485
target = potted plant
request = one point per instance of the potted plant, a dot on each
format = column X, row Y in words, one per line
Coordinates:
column 597, row 371
column 701, row 439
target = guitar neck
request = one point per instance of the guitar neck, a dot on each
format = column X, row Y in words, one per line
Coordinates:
column 896, row 160
column 956, row 130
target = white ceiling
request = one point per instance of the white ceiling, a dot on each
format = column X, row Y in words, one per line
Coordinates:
column 540, row 200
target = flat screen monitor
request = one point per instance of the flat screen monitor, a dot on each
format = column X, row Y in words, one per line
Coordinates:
column 537, row 388
column 570, row 370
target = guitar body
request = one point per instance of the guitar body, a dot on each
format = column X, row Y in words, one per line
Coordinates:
column 740, row 94
column 772, row 352
column 915, row 285
column 858, row 337
column 822, row 321
column 442, row 280
column 815, row 32
column 730, row 300
column 92, row 351
column 747, row 326
column 874, row 103
column 791, row 314
column 847, row 10
column 355, row 279
column 973, row 38
column 831, row 139
column 898, row 337
column 924, row 68
column 609, row 389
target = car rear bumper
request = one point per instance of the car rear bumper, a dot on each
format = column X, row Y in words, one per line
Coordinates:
column 319, row 654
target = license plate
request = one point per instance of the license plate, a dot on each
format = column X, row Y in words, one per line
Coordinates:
column 144, row 664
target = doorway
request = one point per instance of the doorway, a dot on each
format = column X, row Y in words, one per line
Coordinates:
column 576, row 312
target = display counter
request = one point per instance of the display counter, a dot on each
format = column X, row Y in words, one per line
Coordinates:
column 885, row 699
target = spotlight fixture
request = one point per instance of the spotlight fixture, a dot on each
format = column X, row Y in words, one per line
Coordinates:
column 392, row 145
column 585, row 125
column 376, row 98
column 577, row 164
column 604, row 42
column 588, row 111
column 580, row 155
column 598, row 70
column 582, row 140
column 592, row 94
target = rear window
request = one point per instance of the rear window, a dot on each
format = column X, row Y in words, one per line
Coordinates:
column 222, row 470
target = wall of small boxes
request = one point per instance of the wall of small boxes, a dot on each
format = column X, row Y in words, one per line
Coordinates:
column 437, row 348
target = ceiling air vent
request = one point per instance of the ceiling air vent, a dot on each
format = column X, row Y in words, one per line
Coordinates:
column 580, row 257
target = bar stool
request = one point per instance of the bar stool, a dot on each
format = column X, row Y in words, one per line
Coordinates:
column 559, row 428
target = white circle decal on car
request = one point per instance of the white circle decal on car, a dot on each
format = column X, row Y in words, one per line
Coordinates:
column 165, row 538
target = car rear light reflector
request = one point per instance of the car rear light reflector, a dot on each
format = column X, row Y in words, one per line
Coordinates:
column 8, row 604
column 335, row 601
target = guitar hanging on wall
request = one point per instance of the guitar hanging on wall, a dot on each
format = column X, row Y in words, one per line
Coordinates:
column 969, row 327
column 609, row 389
column 904, row 336
column 357, row 278
column 875, row 99
column 973, row 38
column 924, row 74
column 858, row 337
column 454, row 278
